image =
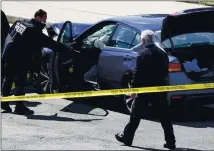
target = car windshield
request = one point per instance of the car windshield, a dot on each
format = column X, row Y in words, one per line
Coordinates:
column 186, row 40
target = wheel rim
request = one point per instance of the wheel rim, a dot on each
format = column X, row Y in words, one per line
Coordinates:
column 45, row 78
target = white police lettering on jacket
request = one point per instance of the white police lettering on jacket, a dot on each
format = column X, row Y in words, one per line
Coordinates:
column 20, row 28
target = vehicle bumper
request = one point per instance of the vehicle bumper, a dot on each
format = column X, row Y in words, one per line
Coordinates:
column 192, row 99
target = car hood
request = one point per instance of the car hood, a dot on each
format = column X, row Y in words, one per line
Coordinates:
column 184, row 23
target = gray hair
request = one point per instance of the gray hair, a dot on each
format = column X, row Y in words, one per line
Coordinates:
column 147, row 35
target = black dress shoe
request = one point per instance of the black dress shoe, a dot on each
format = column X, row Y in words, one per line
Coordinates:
column 23, row 110
column 5, row 106
column 169, row 145
column 121, row 138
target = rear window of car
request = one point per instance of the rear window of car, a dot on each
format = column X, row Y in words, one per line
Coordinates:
column 188, row 39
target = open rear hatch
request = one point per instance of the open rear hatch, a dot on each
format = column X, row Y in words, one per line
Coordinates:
column 192, row 37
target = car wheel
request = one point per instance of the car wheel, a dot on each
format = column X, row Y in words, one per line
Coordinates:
column 46, row 78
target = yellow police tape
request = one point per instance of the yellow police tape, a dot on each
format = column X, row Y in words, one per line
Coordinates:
column 111, row 92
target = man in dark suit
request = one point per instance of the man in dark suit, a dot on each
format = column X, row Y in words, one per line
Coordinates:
column 151, row 70
column 25, row 38
column 5, row 26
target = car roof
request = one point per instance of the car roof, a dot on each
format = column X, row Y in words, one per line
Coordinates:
column 151, row 21
column 141, row 22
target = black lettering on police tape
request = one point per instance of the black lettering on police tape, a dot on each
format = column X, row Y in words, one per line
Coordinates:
column 209, row 85
column 115, row 92
column 125, row 91
column 135, row 90
column 35, row 97
column 79, row 94
column 21, row 97
column 160, row 88
column 169, row 88
column 74, row 94
column 70, row 94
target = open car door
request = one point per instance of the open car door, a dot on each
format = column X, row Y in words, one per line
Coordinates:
column 62, row 64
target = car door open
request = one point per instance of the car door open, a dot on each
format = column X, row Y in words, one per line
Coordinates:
column 62, row 64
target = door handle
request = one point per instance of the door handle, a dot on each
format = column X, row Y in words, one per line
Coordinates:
column 127, row 58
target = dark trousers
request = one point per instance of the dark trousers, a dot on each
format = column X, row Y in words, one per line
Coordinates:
column 160, row 104
column 2, row 71
column 14, row 72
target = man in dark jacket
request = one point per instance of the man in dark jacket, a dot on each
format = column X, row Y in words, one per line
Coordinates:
column 5, row 26
column 24, row 38
column 151, row 70
column 37, row 59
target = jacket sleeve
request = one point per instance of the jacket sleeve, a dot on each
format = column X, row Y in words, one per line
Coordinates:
column 56, row 46
column 5, row 28
column 142, row 69
column 5, row 23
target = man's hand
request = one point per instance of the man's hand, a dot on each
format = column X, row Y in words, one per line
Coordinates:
column 133, row 96
column 73, row 52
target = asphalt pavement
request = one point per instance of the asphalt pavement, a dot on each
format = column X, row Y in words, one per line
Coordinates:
column 83, row 125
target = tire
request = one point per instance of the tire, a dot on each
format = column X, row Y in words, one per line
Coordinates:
column 47, row 80
column 45, row 77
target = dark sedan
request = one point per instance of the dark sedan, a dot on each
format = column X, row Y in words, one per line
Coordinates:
column 119, row 38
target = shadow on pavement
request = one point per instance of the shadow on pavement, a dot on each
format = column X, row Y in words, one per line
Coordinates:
column 32, row 104
column 28, row 103
column 81, row 106
column 57, row 118
column 198, row 117
column 177, row 149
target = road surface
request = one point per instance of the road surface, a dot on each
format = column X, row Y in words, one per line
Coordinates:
column 82, row 126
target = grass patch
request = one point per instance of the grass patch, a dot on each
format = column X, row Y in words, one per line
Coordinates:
column 207, row 2
column 200, row 2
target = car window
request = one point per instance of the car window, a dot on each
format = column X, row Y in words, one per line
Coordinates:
column 78, row 28
column 187, row 39
column 165, row 44
column 124, row 37
column 66, row 36
column 136, row 40
column 105, row 31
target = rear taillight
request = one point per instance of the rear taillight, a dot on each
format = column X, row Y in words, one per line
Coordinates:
column 175, row 67
column 177, row 98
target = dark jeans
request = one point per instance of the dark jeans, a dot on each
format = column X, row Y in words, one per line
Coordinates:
column 14, row 72
column 160, row 103
column 2, row 71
